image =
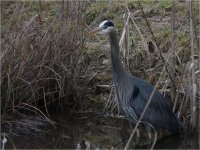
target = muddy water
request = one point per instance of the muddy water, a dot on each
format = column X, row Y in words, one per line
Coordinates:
column 92, row 131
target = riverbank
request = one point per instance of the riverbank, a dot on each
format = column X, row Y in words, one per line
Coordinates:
column 48, row 64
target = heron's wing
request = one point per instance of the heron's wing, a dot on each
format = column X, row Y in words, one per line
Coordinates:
column 159, row 112
column 144, row 91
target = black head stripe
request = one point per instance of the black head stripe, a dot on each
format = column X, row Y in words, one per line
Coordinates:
column 109, row 24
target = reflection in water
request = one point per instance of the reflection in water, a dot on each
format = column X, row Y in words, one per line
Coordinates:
column 175, row 142
column 83, row 145
column 90, row 131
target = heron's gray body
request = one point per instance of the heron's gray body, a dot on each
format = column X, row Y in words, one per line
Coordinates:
column 133, row 93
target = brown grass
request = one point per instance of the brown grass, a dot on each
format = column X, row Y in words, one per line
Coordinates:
column 42, row 60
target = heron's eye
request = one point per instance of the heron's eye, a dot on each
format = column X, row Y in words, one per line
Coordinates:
column 104, row 27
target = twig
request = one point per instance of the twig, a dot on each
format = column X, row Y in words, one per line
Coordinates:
column 63, row 9
column 137, row 28
column 124, row 38
column 109, row 98
column 180, row 107
column 104, row 86
column 156, row 44
column 40, row 12
column 13, row 145
column 126, row 51
column 45, row 103
column 155, row 133
column 151, row 30
column 41, row 113
column 192, row 76
column 196, row 33
column 4, row 141
column 172, row 62
column 124, row 31
column 92, row 77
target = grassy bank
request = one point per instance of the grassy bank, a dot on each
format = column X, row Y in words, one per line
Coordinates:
column 47, row 64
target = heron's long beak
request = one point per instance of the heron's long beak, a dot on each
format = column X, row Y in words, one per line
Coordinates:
column 96, row 30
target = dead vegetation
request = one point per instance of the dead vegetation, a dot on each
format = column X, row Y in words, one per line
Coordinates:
column 42, row 55
column 48, row 64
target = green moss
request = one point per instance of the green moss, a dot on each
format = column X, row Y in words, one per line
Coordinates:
column 162, row 4
column 182, row 39
column 165, row 33
column 165, row 4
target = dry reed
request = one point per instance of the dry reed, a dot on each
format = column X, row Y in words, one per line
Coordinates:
column 42, row 60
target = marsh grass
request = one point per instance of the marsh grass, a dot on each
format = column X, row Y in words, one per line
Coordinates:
column 41, row 55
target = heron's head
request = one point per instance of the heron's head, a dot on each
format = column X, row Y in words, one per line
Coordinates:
column 104, row 28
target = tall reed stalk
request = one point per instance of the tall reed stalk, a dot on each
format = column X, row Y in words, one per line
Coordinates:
column 192, row 75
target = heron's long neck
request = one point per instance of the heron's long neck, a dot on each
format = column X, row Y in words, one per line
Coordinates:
column 118, row 70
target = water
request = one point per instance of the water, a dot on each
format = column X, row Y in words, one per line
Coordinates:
column 91, row 131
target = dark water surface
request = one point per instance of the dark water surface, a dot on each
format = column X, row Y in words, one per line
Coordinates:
column 91, row 131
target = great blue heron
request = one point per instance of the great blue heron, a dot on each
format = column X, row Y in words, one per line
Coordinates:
column 132, row 93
